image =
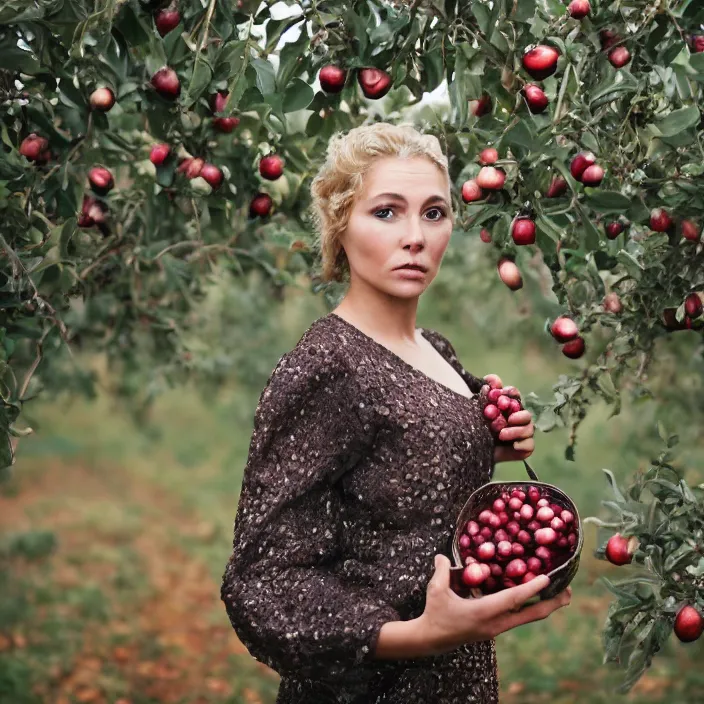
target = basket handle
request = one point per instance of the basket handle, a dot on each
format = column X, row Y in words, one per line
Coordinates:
column 530, row 471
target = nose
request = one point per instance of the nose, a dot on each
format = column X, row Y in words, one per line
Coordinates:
column 414, row 237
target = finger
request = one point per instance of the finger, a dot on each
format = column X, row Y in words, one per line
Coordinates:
column 534, row 612
column 514, row 597
column 517, row 432
column 520, row 418
column 441, row 577
column 524, row 446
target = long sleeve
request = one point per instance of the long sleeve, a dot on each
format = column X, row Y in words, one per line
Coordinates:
column 282, row 595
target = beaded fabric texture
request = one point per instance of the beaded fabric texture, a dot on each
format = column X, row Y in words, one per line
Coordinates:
column 358, row 466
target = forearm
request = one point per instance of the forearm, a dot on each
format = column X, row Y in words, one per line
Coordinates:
column 401, row 640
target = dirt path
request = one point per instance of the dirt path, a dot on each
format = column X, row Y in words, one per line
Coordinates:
column 173, row 645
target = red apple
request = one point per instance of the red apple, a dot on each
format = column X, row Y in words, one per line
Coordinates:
column 608, row 38
column 491, row 178
column 574, row 349
column 690, row 229
column 102, row 99
column 482, row 106
column 260, row 205
column 222, row 124
column 374, row 82
column 689, row 624
column 580, row 163
column 212, row 174
column 523, row 231
column 510, row 274
column 541, row 61
column 612, row 303
column 617, row 550
column 579, row 9
column 471, row 191
column 488, row 156
column 619, row 56
column 485, row 237
column 613, row 230
column 697, row 43
column 271, row 167
column 545, row 536
column 693, row 305
column 557, row 187
column 101, row 180
column 486, row 551
column 564, row 329
column 332, row 78
column 473, row 575
column 33, row 146
column 191, row 167
column 159, row 154
column 593, row 175
column 516, row 568
column 535, row 98
column 166, row 20
column 166, row 83
column 660, row 220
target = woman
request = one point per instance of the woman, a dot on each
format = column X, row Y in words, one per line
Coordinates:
column 368, row 438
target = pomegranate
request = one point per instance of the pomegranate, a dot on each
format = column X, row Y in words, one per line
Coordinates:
column 617, row 550
column 260, row 205
column 374, row 82
column 697, row 43
column 693, row 305
column 480, row 107
column 689, row 624
column 491, row 178
column 558, row 186
column 523, row 231
column 510, row 274
column 101, row 180
column 580, row 163
column 540, row 62
column 485, row 236
column 613, row 230
column 102, row 99
column 212, row 174
column 564, row 329
column 612, row 303
column 593, row 175
column 535, row 98
column 690, row 229
column 166, row 83
column 488, row 156
column 33, row 146
column 574, row 349
column 271, row 167
column 166, row 20
column 332, row 78
column 619, row 56
column 579, row 9
column 471, row 191
column 159, row 153
column 222, row 124
column 660, row 220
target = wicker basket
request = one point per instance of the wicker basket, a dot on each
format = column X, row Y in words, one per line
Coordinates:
column 560, row 577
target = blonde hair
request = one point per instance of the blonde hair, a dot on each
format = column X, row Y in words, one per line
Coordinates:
column 339, row 181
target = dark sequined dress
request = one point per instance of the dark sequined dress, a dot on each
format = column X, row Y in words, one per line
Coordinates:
column 358, row 466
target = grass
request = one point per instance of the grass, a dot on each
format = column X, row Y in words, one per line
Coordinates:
column 115, row 542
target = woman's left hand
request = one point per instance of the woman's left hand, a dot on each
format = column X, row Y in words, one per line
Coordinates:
column 519, row 432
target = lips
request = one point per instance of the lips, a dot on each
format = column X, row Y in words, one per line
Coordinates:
column 416, row 267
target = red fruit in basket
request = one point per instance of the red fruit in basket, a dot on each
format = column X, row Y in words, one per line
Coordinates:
column 494, row 521
column 617, row 551
column 543, row 553
column 660, row 220
column 499, row 505
column 469, row 560
column 465, row 542
column 490, row 584
column 545, row 536
column 473, row 575
column 515, row 569
column 534, row 494
column 693, row 305
column 527, row 577
column 503, row 518
column 478, row 540
column 564, row 329
column 496, row 569
column 545, row 514
column 498, row 424
column 471, row 191
column 534, row 565
column 572, row 539
column 540, row 62
column 485, row 516
column 500, row 535
column 689, row 624
column 557, row 187
column 574, row 349
column 557, row 524
column 542, row 502
column 524, row 537
column 557, row 509
column 580, row 163
column 488, row 156
column 513, row 528
column 527, row 512
column 491, row 412
column 486, row 551
column 518, row 494
column 472, row 528
column 485, row 569
column 562, row 542
column 508, row 583
column 518, row 550
column 486, row 532
column 503, row 548
column 494, row 395
column 534, row 525
column 515, row 504
column 523, row 231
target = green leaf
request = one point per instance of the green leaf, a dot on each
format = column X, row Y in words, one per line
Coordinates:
column 298, row 96
column 608, row 201
column 266, row 79
column 520, row 135
column 614, row 485
column 200, row 79
column 291, row 56
column 677, row 121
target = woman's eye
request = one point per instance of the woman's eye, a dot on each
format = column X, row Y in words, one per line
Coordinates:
column 383, row 210
column 437, row 213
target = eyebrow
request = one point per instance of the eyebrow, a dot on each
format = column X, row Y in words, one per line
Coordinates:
column 398, row 196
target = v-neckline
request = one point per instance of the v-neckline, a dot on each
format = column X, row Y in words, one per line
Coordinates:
column 376, row 343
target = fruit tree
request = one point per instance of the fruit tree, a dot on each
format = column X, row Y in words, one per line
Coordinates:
column 148, row 143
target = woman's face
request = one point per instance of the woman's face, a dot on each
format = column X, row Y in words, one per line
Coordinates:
column 402, row 215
